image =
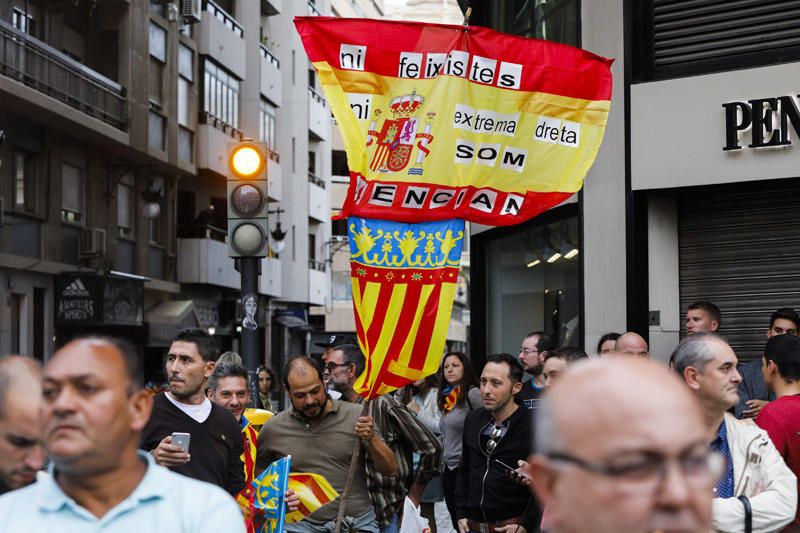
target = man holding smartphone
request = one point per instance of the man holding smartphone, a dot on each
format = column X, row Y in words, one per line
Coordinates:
column 490, row 488
column 216, row 445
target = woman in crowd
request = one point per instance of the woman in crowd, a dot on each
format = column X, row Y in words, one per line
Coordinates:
column 458, row 394
column 606, row 343
column 266, row 387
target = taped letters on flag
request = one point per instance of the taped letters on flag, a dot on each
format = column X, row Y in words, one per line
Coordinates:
column 404, row 280
column 314, row 492
column 443, row 122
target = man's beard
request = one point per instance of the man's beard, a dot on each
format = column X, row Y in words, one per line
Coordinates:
column 537, row 370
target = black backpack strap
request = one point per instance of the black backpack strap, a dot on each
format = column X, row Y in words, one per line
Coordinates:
column 748, row 514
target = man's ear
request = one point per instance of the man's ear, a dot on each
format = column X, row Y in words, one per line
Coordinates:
column 210, row 365
column 714, row 325
column 543, row 477
column 140, row 405
column 516, row 387
column 690, row 374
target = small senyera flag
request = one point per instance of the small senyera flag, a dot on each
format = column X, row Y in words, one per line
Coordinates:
column 443, row 122
column 269, row 509
column 451, row 398
column 314, row 492
column 404, row 280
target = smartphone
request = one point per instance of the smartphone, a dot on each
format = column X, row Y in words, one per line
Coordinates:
column 501, row 463
column 181, row 440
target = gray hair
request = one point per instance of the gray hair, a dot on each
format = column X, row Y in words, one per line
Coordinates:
column 696, row 351
column 547, row 437
column 17, row 371
column 225, row 370
column 230, row 358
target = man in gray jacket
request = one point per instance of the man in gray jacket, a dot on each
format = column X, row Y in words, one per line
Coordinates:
column 757, row 487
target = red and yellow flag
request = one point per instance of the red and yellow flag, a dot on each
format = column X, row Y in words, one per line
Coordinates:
column 404, row 281
column 313, row 490
column 443, row 122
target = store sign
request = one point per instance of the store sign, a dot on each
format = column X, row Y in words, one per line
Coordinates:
column 91, row 299
column 769, row 121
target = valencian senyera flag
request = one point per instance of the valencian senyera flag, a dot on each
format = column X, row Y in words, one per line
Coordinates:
column 268, row 508
column 404, row 280
column 443, row 122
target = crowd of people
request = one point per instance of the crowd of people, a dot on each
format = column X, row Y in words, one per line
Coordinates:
column 615, row 442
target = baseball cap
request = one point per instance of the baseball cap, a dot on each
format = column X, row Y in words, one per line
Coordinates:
column 337, row 340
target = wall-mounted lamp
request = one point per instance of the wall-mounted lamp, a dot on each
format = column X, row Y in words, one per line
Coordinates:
column 151, row 196
column 278, row 235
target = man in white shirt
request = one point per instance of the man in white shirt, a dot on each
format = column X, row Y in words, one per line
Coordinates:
column 94, row 408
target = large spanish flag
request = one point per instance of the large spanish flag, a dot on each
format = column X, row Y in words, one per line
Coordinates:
column 443, row 122
column 404, row 280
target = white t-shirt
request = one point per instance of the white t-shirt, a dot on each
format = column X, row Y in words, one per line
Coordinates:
column 199, row 412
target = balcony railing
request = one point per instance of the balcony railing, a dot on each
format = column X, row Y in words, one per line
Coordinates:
column 319, row 266
column 207, row 118
column 265, row 53
column 201, row 231
column 314, row 95
column 312, row 9
column 224, row 17
column 316, row 180
column 50, row 72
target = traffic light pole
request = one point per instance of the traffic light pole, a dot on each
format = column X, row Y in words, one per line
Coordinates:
column 249, row 269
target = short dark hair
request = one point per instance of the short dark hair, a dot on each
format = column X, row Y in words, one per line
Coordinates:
column 298, row 360
column 515, row 370
column 570, row 354
column 708, row 307
column 784, row 351
column 206, row 345
column 226, row 370
column 605, row 338
column 544, row 342
column 352, row 355
column 130, row 357
column 786, row 313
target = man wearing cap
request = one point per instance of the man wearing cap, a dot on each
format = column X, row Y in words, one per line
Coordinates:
column 333, row 341
column 780, row 418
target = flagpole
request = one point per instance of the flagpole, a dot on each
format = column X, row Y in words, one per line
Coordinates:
column 350, row 474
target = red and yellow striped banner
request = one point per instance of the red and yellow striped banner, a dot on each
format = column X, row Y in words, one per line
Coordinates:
column 404, row 280
column 443, row 122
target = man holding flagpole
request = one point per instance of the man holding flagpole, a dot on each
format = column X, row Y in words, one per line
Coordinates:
column 318, row 433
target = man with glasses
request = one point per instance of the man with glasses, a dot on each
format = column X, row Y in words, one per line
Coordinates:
column 632, row 458
column 490, row 490
column 532, row 353
column 402, row 432
column 757, row 489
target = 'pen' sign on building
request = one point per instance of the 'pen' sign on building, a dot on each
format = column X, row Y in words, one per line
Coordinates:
column 768, row 120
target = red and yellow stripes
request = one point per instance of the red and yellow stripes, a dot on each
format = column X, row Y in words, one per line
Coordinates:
column 313, row 490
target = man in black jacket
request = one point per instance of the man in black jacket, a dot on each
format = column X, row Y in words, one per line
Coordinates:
column 216, row 445
column 491, row 489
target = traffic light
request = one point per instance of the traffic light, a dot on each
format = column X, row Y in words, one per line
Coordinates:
column 247, row 199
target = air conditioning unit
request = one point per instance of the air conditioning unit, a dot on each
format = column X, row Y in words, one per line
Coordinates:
column 93, row 242
column 191, row 10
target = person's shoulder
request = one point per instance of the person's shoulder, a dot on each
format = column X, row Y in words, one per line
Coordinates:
column 181, row 484
column 224, row 417
column 348, row 408
column 477, row 414
column 26, row 497
column 474, row 394
column 743, row 429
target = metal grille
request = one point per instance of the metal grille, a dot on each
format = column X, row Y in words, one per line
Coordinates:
column 741, row 251
column 685, row 32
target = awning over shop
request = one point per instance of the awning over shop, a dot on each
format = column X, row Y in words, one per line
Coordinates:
column 167, row 319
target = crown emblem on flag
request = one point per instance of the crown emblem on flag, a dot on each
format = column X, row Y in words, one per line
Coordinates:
column 406, row 105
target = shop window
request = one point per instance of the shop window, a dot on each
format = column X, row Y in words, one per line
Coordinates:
column 533, row 285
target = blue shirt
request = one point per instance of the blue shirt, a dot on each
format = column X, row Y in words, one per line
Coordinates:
column 163, row 501
column 724, row 487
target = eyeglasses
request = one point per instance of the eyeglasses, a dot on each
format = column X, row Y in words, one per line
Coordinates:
column 644, row 475
column 527, row 351
column 331, row 366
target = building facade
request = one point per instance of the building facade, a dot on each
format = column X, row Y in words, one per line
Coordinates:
column 692, row 195
column 116, row 119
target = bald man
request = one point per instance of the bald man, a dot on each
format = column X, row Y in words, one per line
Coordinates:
column 633, row 458
column 21, row 453
column 631, row 343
